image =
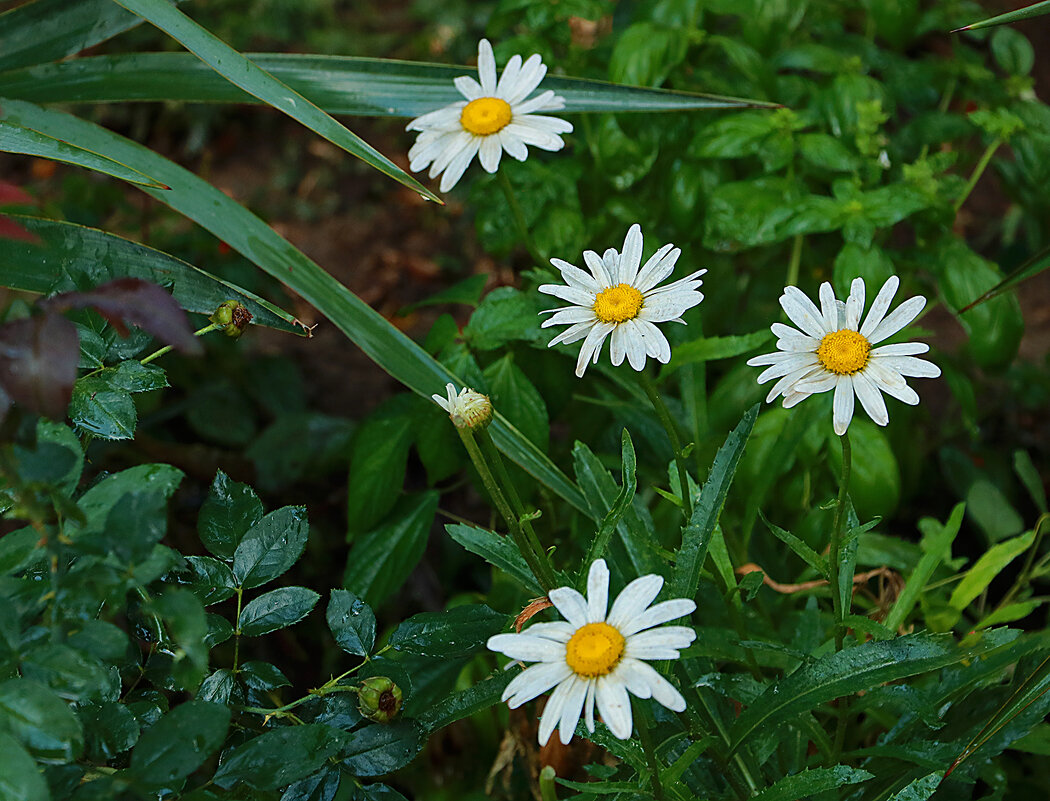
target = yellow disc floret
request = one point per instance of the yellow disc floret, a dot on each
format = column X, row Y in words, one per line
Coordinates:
column 618, row 304
column 594, row 650
column 485, row 116
column 844, row 352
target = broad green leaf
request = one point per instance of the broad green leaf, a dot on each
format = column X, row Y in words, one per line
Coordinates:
column 378, row 459
column 518, row 400
column 177, row 744
column 50, row 30
column 462, row 704
column 708, row 349
column 230, row 509
column 624, row 499
column 1010, row 613
column 936, row 545
column 498, row 550
column 809, row 782
column 280, row 756
column 920, row 789
column 27, row 142
column 186, row 629
column 18, row 549
column 97, row 502
column 985, row 569
column 271, row 546
column 381, row 560
column 275, row 610
column 1026, row 471
column 338, row 84
column 40, row 721
column 845, row 673
column 210, row 580
column 102, row 409
column 20, row 778
column 381, row 748
column 1034, row 10
column 257, row 82
column 388, row 347
column 322, row 786
column 353, row 623
column 1032, row 267
column 452, row 634
column 78, row 252
column 707, row 507
column 73, row 675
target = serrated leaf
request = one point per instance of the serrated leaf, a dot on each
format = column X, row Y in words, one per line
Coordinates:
column 809, row 782
column 177, row 744
column 455, row 633
column 40, row 721
column 210, row 580
column 271, row 546
column 280, row 756
column 985, row 569
column 352, row 621
column 102, row 409
column 68, row 672
column 498, row 550
column 466, row 702
column 518, row 400
column 706, row 349
column 920, row 789
column 226, row 515
column 276, row 609
column 381, row 748
column 624, row 499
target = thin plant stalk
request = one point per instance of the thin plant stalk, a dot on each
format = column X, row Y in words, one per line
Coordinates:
column 672, row 434
column 645, row 734
column 198, row 333
column 978, row 171
column 836, row 540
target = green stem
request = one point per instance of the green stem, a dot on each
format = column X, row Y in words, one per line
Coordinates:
column 547, row 787
column 237, row 631
column 645, row 734
column 836, row 541
column 672, row 435
column 519, row 219
column 978, row 171
column 199, row 333
column 796, row 261
column 537, row 564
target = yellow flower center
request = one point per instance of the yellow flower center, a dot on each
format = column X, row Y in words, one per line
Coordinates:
column 844, row 352
column 594, row 650
column 485, row 116
column 618, row 303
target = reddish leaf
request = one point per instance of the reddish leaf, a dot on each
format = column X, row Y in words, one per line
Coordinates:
column 11, row 230
column 132, row 301
column 9, row 193
column 38, row 363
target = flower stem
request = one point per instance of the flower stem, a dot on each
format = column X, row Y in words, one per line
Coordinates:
column 547, row 787
column 978, row 171
column 796, row 261
column 199, row 333
column 836, row 541
column 535, row 560
column 519, row 218
column 672, row 435
column 646, row 736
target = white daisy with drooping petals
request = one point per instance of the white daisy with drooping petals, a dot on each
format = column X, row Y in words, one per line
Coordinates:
column 596, row 658
column 834, row 351
column 495, row 117
column 620, row 298
column 467, row 408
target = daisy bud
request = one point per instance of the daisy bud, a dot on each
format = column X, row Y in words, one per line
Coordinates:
column 468, row 409
column 379, row 699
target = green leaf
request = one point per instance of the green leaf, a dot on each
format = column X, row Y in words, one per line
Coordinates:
column 50, row 30
column 706, row 349
column 179, row 743
column 77, row 253
column 496, row 549
column 27, row 142
column 845, row 673
column 338, row 84
column 40, row 721
column 377, row 792
column 624, row 499
column 1034, row 10
column 391, row 349
column 381, row 560
column 210, row 580
column 803, row 551
column 920, row 789
column 646, row 52
column 71, row 674
column 226, row 515
column 110, row 729
column 985, row 569
column 809, row 782
column 102, row 409
column 468, row 292
column 277, row 609
column 271, row 546
column 378, row 459
column 936, row 546
column 280, row 756
column 1010, row 613
column 20, row 778
column 505, row 315
column 187, row 627
column 352, row 621
column 381, row 748
column 455, row 633
column 298, row 446
column 707, row 508
column 462, row 704
column 1026, row 471
column 518, row 400
column 18, row 549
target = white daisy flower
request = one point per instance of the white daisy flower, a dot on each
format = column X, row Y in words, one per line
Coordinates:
column 493, row 118
column 598, row 658
column 620, row 299
column 467, row 408
column 834, row 351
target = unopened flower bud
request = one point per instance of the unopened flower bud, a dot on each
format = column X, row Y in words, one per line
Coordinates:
column 379, row 699
column 233, row 316
column 468, row 409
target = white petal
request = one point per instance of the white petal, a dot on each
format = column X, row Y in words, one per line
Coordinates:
column 527, row 647
column 579, row 297
column 634, row 599
column 900, row 390
column 880, row 305
column 828, row 307
column 801, row 311
column 588, row 706
column 657, row 268
column 842, row 411
column 552, row 711
column 855, row 304
column 532, row 132
column 468, row 87
column 618, row 345
column 631, row 257
column 670, row 637
column 570, row 713
column 534, row 681
column 571, row 604
column 487, row 68
column 792, row 362
column 597, row 267
column 489, row 153
column 871, row 399
column 457, row 144
column 799, row 343
column 669, row 306
column 656, row 344
column 557, row 630
column 457, row 167
column 898, row 318
column 911, row 366
column 576, row 277
column 634, row 678
column 527, row 80
column 592, row 346
column 597, row 591
column 819, row 382
column 514, row 146
column 657, row 614
column 614, row 706
column 573, row 333
column 789, row 384
column 509, row 76
column 657, row 687
column 900, row 349
column 544, row 101
column 769, row 358
column 571, row 314
column 636, row 348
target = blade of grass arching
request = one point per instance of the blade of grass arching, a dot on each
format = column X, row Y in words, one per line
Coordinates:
column 1031, row 268
column 27, row 142
column 69, row 251
column 210, row 208
column 1034, row 10
column 338, row 84
column 619, row 508
column 257, row 82
column 48, row 30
